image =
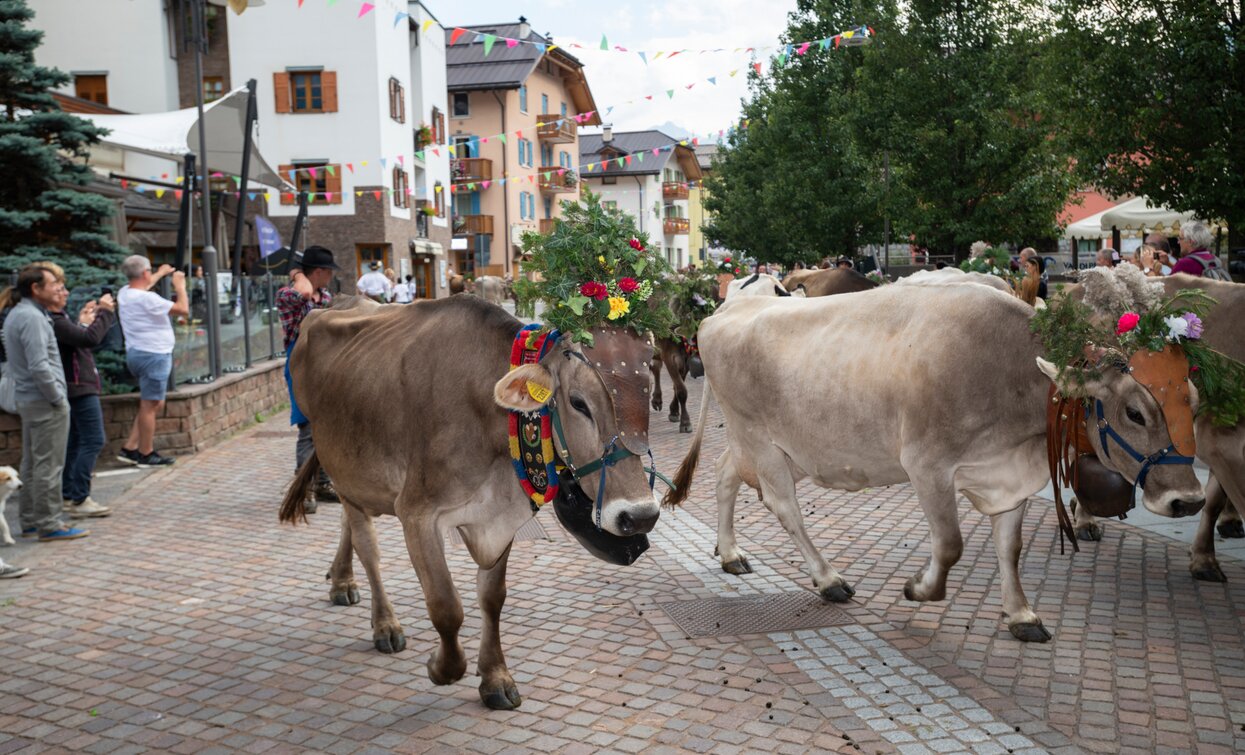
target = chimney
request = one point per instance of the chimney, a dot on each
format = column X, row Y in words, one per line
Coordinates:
column 607, row 133
column 524, row 29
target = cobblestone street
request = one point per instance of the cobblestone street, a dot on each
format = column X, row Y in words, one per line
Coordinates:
column 190, row 621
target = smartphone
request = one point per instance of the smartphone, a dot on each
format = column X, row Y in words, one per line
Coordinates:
column 105, row 290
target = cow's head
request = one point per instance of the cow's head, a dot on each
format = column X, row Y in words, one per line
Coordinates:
column 1140, row 424
column 593, row 394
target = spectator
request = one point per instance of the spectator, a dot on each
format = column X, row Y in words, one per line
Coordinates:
column 761, row 269
column 1028, row 286
column 843, row 263
column 310, row 276
column 1107, row 257
column 86, row 418
column 374, row 285
column 403, row 292
column 1195, row 255
column 42, row 402
column 148, row 350
column 1030, row 253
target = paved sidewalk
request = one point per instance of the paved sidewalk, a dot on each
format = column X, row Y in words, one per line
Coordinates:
column 191, row 622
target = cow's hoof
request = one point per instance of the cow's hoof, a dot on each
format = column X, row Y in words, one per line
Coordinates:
column 346, row 596
column 1231, row 530
column 442, row 676
column 685, row 427
column 673, row 417
column 1091, row 532
column 738, row 566
column 503, row 696
column 1030, row 632
column 656, row 404
column 837, row 593
column 910, row 592
column 309, row 506
column 1208, row 573
column 390, row 640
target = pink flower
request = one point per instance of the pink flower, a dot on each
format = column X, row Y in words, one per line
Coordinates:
column 1195, row 325
column 1127, row 322
column 594, row 290
column 636, row 245
column 627, row 285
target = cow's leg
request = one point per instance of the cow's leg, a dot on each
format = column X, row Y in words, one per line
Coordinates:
column 1230, row 525
column 1022, row 622
column 497, row 687
column 728, row 482
column 343, row 590
column 386, row 631
column 778, row 495
column 1087, row 526
column 938, row 502
column 678, row 405
column 1202, row 561
column 655, row 366
column 427, row 550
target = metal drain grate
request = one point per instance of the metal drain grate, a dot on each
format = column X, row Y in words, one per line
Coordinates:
column 531, row 530
column 753, row 614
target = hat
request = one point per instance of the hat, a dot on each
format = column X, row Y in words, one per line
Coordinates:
column 315, row 257
column 375, row 265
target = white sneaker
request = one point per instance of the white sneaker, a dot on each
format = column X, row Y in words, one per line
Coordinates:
column 88, row 509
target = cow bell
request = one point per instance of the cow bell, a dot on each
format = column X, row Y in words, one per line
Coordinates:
column 695, row 367
column 1101, row 490
column 621, row 358
column 574, row 511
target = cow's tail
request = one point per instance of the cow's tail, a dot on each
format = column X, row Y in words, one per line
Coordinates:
column 687, row 470
column 294, row 507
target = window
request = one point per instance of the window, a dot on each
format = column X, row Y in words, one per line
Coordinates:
column 400, row 185
column 93, row 87
column 564, row 159
column 366, row 254
column 544, row 104
column 305, row 91
column 610, row 204
column 397, row 101
column 438, row 192
column 461, row 105
column 548, row 208
column 526, row 155
column 609, row 179
column 318, row 177
column 213, row 88
column 523, row 98
column 438, row 126
column 546, row 155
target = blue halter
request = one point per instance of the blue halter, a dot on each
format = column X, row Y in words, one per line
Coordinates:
column 1105, row 431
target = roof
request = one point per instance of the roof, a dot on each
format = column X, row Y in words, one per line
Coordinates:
column 71, row 104
column 504, row 67
column 591, row 145
column 705, row 154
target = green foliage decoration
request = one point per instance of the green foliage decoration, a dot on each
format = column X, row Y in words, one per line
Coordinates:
column 691, row 299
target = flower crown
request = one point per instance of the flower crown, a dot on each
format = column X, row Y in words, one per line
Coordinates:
column 1123, row 312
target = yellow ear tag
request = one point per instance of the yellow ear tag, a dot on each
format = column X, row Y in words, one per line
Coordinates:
column 538, row 391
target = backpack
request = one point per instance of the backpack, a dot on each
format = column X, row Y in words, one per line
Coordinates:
column 1211, row 268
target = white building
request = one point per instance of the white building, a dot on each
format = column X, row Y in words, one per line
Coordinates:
column 651, row 184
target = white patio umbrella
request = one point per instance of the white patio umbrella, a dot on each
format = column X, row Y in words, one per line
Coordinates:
column 1139, row 214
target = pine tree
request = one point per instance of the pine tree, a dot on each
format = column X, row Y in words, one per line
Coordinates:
column 43, row 213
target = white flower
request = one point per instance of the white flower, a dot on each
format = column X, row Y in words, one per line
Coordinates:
column 1177, row 327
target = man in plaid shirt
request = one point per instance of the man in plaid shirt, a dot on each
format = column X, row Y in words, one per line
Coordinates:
column 311, row 272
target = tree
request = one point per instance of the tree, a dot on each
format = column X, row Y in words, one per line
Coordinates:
column 1153, row 96
column 44, row 214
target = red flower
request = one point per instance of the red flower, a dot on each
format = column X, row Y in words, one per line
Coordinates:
column 627, row 285
column 728, row 259
column 594, row 290
column 636, row 245
column 1127, row 322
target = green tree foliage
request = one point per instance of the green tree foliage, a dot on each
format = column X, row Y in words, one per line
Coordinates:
column 43, row 215
column 946, row 91
column 1152, row 97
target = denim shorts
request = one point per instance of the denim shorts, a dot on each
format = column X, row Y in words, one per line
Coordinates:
column 152, row 371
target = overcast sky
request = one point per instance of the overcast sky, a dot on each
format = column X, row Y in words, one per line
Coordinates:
column 651, row 25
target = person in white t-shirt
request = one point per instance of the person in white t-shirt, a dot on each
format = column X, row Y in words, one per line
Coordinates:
column 374, row 285
column 403, row 291
column 148, row 331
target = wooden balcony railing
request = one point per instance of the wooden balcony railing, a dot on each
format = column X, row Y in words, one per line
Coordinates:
column 470, row 225
column 674, row 190
column 676, row 227
column 546, row 226
column 556, row 180
column 470, row 169
column 556, row 129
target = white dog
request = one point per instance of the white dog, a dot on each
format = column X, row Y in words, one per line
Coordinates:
column 9, row 483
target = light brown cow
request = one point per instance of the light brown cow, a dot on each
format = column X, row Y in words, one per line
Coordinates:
column 892, row 405
column 443, row 460
column 831, row 281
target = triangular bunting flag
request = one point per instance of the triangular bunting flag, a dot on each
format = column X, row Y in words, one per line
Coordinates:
column 364, row 9
column 604, row 44
column 350, row 167
column 436, row 152
column 377, row 195
column 539, row 46
column 328, row 196
column 689, row 86
column 489, row 40
column 643, row 57
column 358, row 193
column 757, row 66
column 427, row 23
column 267, row 196
column 402, row 160
column 547, row 175
column 502, row 137
column 124, row 183
column 419, row 155
column 619, row 160
column 671, row 55
column 485, row 184
column 670, row 93
column 648, row 96
column 313, row 173
column 656, row 150
column 332, row 171
column 713, row 80
column 177, row 193
column 397, row 19
column 512, row 43
column 250, row 195
column 458, row 32
column 640, row 155
column 803, row 48
column 628, row 159
column 734, row 72
column 382, row 165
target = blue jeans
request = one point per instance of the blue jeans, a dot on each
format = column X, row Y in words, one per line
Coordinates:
column 86, row 440
column 152, row 371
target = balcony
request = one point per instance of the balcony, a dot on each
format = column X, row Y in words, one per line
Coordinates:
column 470, row 169
column 470, row 225
column 546, row 226
column 556, row 180
column 674, row 190
column 676, row 226
column 556, row 129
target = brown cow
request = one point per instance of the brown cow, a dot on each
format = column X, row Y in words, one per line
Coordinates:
column 835, row 280
column 449, row 359
column 679, row 362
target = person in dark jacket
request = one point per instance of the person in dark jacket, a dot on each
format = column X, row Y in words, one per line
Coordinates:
column 75, row 339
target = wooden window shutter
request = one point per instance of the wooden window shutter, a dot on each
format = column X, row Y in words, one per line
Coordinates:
column 333, row 183
column 287, row 198
column 281, row 92
column 328, row 91
column 401, row 104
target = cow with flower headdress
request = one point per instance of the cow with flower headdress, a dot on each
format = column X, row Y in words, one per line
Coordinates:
column 1069, row 392
column 690, row 296
column 508, row 418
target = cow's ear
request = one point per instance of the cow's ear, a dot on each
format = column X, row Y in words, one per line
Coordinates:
column 1072, row 382
column 525, row 389
column 780, row 291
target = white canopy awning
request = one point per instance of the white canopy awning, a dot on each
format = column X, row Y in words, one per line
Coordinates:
column 174, row 134
column 1139, row 214
column 1089, row 227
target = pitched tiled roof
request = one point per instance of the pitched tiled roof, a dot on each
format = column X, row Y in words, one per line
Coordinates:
column 505, row 67
column 704, row 155
column 590, row 146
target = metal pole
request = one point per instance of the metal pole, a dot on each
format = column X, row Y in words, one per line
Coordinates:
column 183, row 215
column 240, row 226
column 271, row 302
column 886, row 227
column 299, row 221
column 205, row 197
